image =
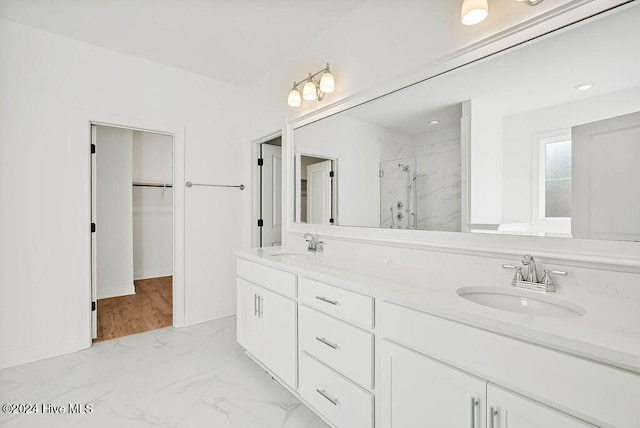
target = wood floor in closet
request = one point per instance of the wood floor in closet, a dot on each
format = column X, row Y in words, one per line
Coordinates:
column 149, row 309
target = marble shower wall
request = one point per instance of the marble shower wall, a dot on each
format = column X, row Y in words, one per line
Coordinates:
column 398, row 193
column 435, row 195
column 438, row 187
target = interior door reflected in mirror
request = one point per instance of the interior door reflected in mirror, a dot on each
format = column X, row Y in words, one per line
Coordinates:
column 317, row 177
column 539, row 139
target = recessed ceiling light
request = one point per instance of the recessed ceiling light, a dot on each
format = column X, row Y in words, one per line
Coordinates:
column 434, row 122
column 584, row 86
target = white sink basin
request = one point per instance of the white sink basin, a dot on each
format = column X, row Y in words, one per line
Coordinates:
column 521, row 301
column 293, row 256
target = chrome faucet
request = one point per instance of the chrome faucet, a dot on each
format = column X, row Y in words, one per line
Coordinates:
column 315, row 244
column 532, row 273
column 530, row 280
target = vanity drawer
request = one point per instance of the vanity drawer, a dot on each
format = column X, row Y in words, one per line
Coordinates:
column 274, row 279
column 341, row 401
column 346, row 348
column 344, row 304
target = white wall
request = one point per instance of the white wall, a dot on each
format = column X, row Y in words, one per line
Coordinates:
column 152, row 206
column 152, row 157
column 114, row 206
column 52, row 86
column 486, row 163
column 356, row 146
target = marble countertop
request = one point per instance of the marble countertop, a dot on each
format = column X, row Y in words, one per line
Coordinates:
column 608, row 333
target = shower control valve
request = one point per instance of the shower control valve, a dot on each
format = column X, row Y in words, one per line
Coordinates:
column 400, row 205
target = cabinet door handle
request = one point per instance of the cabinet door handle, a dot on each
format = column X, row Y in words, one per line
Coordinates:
column 324, row 299
column 493, row 412
column 474, row 404
column 322, row 392
column 260, row 308
column 255, row 305
column 326, row 342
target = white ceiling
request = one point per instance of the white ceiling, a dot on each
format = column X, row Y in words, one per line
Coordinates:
column 235, row 41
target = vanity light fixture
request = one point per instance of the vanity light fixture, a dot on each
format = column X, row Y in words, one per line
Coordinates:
column 313, row 88
column 475, row 11
column 584, row 86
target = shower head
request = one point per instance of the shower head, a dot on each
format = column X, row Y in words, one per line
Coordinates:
column 404, row 167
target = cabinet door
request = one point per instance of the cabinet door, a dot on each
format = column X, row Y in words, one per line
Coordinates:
column 509, row 410
column 417, row 391
column 278, row 319
column 248, row 323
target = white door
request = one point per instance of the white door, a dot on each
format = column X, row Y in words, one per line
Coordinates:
column 94, row 244
column 279, row 334
column 248, row 323
column 271, row 191
column 417, row 391
column 508, row 410
column 605, row 177
column 319, row 193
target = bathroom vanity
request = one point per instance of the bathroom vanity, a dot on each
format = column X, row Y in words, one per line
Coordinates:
column 364, row 344
column 408, row 319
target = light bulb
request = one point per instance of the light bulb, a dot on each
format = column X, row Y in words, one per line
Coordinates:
column 474, row 11
column 327, row 82
column 309, row 91
column 294, row 98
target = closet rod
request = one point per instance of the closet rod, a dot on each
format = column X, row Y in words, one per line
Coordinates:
column 190, row 184
column 151, row 185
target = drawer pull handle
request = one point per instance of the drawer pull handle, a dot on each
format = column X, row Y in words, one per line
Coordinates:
column 322, row 392
column 493, row 412
column 326, row 342
column 474, row 404
column 255, row 305
column 324, row 299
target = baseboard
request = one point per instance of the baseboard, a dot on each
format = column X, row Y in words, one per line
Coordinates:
column 36, row 353
column 152, row 274
column 211, row 314
column 108, row 292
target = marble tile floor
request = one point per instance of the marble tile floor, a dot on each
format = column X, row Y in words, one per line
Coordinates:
column 195, row 376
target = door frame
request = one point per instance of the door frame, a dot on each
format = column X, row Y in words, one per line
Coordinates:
column 257, row 190
column 84, row 121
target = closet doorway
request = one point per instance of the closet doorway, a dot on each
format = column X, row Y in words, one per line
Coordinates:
column 132, row 231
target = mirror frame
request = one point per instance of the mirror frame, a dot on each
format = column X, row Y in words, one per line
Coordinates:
column 597, row 254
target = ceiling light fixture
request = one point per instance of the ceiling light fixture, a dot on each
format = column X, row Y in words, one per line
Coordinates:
column 313, row 88
column 434, row 122
column 475, row 11
column 584, row 86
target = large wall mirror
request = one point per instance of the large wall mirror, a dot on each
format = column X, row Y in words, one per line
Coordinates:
column 540, row 139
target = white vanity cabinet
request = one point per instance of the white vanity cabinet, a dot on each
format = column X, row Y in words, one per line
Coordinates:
column 360, row 361
column 530, row 386
column 267, row 322
column 416, row 391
